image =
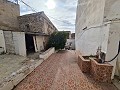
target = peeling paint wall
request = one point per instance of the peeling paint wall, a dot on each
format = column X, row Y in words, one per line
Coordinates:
column 38, row 42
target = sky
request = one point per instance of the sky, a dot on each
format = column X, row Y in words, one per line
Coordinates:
column 63, row 10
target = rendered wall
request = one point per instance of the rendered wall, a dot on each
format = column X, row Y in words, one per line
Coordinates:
column 8, row 15
column 2, row 41
column 112, row 10
column 112, row 15
column 90, row 14
column 105, row 13
column 19, row 43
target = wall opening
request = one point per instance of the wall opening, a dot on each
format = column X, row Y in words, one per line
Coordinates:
column 30, row 48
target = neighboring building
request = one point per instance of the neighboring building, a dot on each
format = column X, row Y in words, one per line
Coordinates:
column 20, row 34
column 36, row 23
column 73, row 35
column 98, row 25
column 37, row 28
column 70, row 44
column 68, row 34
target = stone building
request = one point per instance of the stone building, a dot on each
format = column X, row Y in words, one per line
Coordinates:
column 17, row 32
column 98, row 25
column 9, row 28
column 37, row 28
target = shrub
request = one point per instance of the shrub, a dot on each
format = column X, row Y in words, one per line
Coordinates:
column 57, row 40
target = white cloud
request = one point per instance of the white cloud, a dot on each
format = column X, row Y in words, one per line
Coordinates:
column 65, row 11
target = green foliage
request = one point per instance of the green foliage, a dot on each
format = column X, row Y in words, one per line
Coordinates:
column 57, row 40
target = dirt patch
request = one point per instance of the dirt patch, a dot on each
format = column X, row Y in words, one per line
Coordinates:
column 10, row 64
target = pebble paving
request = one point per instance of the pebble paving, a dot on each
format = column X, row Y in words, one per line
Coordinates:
column 61, row 72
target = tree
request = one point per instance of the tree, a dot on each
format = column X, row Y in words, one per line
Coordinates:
column 57, row 40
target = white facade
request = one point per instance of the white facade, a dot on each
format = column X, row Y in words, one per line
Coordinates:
column 98, row 24
column 19, row 43
column 72, row 42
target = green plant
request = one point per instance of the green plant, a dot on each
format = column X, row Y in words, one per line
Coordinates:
column 57, row 40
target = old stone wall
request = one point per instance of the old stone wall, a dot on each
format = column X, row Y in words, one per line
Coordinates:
column 47, row 23
column 31, row 23
column 8, row 15
column 36, row 22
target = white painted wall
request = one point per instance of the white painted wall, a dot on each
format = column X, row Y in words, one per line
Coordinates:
column 117, row 70
column 19, row 43
column 112, row 12
column 2, row 41
column 47, row 53
column 90, row 14
column 112, row 48
column 92, row 39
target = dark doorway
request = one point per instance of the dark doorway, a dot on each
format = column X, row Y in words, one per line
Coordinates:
column 29, row 43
